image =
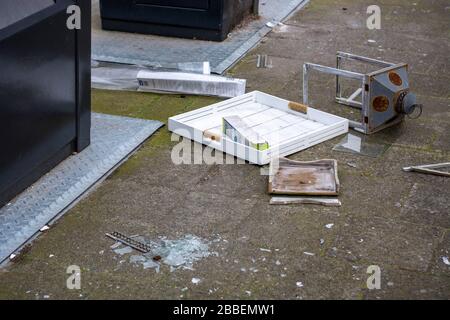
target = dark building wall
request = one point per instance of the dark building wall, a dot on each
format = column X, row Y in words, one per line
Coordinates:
column 200, row 19
column 44, row 92
column 15, row 10
column 237, row 11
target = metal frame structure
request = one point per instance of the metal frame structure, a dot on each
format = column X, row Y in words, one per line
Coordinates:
column 363, row 90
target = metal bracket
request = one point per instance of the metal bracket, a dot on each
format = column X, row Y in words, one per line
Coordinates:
column 362, row 91
column 429, row 169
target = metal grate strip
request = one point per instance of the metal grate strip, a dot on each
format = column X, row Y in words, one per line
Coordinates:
column 139, row 246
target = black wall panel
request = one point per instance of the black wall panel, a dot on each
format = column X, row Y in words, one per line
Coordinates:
column 12, row 11
column 200, row 19
column 44, row 92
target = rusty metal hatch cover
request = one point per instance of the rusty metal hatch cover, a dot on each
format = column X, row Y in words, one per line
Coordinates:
column 290, row 177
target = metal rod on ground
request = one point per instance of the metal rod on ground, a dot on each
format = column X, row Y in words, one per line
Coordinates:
column 428, row 169
column 119, row 237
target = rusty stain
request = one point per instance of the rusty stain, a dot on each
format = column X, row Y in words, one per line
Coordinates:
column 395, row 78
column 380, row 103
column 299, row 107
column 295, row 177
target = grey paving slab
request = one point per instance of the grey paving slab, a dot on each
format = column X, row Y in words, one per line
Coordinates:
column 151, row 50
column 114, row 138
column 386, row 243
